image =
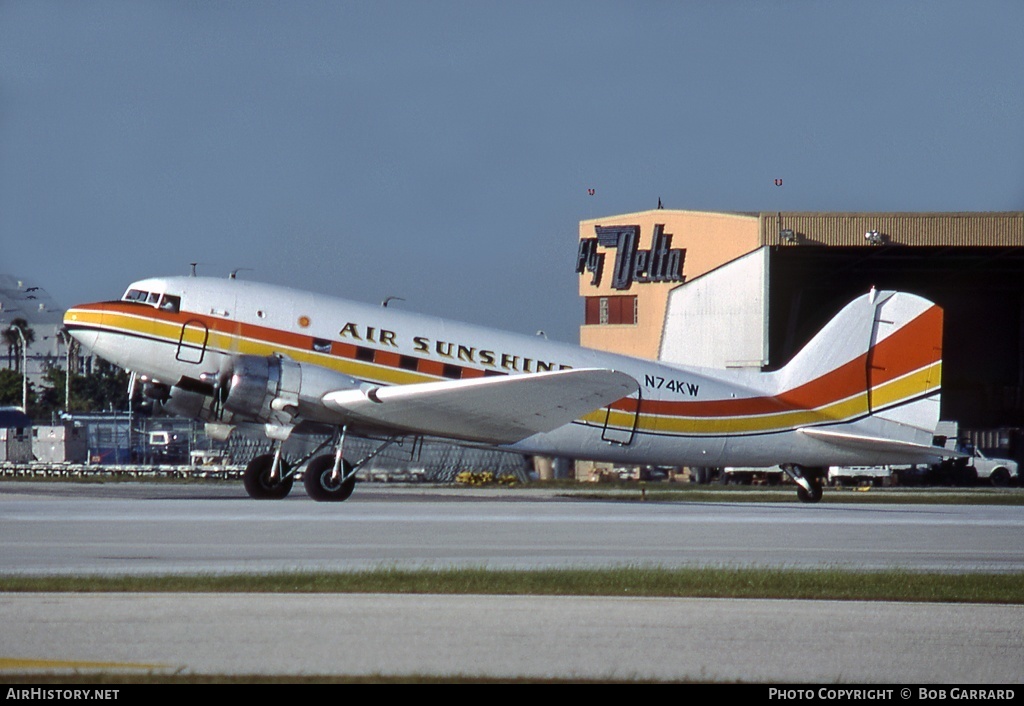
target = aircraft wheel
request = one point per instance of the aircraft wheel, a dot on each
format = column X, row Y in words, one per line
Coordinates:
column 319, row 485
column 814, row 495
column 258, row 484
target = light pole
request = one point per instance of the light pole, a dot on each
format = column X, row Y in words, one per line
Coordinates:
column 68, row 341
column 24, row 369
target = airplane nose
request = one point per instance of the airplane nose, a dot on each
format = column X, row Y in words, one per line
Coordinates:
column 75, row 321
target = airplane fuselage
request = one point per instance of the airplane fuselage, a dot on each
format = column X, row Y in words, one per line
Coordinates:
column 183, row 331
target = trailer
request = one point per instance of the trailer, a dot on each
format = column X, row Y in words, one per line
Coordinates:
column 862, row 476
column 738, row 475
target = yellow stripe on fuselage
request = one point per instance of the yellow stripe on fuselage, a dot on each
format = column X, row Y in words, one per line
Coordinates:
column 236, row 344
column 910, row 386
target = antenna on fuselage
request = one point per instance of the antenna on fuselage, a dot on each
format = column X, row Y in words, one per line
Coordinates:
column 196, row 264
column 388, row 299
column 234, row 272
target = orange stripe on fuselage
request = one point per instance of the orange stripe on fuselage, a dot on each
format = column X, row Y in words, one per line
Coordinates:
column 228, row 327
column 913, row 347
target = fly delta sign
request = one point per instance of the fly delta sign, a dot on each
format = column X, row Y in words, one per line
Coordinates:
column 662, row 263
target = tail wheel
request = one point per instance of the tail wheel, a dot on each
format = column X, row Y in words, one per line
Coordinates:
column 812, row 496
column 258, row 483
column 319, row 484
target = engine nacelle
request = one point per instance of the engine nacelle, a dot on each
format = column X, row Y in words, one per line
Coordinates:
column 252, row 388
column 255, row 383
column 275, row 390
column 189, row 404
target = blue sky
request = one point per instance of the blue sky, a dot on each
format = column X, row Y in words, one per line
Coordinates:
column 443, row 151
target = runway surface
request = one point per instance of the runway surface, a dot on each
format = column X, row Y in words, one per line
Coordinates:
column 143, row 528
column 521, row 636
column 56, row 528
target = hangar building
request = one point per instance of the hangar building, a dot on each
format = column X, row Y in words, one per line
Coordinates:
column 750, row 289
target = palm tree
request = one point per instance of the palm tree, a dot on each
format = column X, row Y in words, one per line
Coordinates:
column 13, row 340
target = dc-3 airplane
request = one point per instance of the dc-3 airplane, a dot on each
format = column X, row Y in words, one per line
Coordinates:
column 230, row 352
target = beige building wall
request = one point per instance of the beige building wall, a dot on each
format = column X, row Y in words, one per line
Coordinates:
column 711, row 240
column 708, row 240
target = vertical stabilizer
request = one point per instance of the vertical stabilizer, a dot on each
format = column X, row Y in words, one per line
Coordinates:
column 878, row 359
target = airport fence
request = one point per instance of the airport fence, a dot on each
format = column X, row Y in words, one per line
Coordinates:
column 132, row 446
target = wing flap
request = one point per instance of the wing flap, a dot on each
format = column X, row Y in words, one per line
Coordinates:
column 499, row 410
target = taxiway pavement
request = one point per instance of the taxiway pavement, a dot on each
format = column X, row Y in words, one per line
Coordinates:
column 139, row 528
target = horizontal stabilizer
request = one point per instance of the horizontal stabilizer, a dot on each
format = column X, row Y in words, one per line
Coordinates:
column 901, row 451
column 497, row 410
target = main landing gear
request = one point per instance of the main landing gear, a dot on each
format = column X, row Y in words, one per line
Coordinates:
column 268, row 477
column 325, row 483
column 809, row 481
column 263, row 482
column 327, row 478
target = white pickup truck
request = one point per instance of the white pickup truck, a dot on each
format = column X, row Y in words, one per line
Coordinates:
column 998, row 471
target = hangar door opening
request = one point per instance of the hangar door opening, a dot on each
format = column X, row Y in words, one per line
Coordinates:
column 981, row 292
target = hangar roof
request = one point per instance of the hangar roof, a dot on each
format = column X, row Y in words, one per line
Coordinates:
column 845, row 229
column 968, row 228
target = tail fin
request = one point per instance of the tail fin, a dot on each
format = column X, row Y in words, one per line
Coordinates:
column 881, row 359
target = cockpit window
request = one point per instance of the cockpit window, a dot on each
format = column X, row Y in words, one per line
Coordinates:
column 165, row 302
column 135, row 295
column 170, row 303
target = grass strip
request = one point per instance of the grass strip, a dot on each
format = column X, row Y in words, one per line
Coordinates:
column 826, row 584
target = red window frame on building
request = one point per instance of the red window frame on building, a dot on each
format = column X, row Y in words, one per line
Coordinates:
column 619, row 309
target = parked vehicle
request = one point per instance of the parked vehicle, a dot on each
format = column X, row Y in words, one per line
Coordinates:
column 771, row 475
column 861, row 475
column 168, row 447
column 977, row 465
column 998, row 471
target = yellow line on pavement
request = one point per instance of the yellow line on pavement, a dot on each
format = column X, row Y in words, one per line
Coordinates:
column 9, row 663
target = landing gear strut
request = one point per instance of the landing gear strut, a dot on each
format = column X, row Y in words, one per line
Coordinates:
column 327, row 478
column 809, row 481
column 268, row 477
column 330, row 478
column 323, row 484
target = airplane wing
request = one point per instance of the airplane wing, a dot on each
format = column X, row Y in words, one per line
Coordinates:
column 497, row 410
column 905, row 451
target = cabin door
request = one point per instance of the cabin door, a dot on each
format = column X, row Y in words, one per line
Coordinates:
column 192, row 341
column 620, row 420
